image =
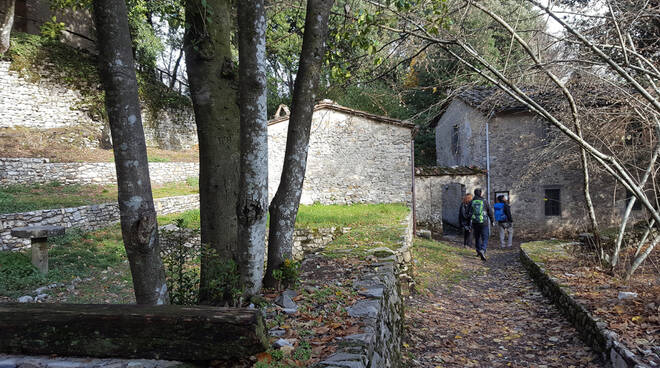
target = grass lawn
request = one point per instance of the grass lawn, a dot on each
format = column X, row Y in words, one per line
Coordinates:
column 23, row 198
column 99, row 256
column 438, row 263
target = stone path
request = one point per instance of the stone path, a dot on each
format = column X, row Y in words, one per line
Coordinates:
column 494, row 318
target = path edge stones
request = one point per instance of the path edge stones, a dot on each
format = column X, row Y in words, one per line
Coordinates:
column 592, row 330
column 382, row 312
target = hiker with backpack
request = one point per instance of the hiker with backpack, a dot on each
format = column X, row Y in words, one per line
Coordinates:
column 465, row 219
column 504, row 220
column 481, row 215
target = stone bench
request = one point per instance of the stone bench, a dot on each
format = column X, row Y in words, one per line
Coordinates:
column 38, row 236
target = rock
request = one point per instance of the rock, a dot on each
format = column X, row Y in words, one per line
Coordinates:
column 624, row 295
column 25, row 299
column 42, row 297
column 290, row 293
column 426, row 234
column 364, row 308
column 64, row 364
column 8, row 363
column 381, row 252
column 277, row 332
column 290, row 310
column 41, row 290
column 554, row 339
column 287, row 350
column 286, row 302
column 281, row 342
column 374, row 292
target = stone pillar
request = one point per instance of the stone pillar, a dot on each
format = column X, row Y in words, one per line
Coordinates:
column 40, row 254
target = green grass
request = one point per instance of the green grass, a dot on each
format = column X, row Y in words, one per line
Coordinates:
column 541, row 251
column 439, row 263
column 23, row 198
column 191, row 219
column 72, row 255
column 316, row 215
column 100, row 254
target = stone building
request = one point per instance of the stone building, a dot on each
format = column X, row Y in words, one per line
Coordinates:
column 354, row 157
column 484, row 128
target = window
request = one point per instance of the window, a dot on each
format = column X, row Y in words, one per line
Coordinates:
column 552, row 201
column 629, row 196
column 505, row 194
column 454, row 140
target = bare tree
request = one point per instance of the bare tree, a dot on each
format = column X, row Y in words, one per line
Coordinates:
column 136, row 206
column 284, row 206
column 619, row 65
column 213, row 80
column 6, row 23
column 253, row 196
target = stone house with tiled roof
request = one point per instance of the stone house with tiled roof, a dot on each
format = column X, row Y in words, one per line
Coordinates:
column 486, row 128
column 353, row 157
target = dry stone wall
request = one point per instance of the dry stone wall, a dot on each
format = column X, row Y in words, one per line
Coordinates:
column 381, row 312
column 593, row 331
column 351, row 159
column 40, row 170
column 46, row 104
column 84, row 217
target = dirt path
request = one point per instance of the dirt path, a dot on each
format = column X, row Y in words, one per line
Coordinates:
column 493, row 316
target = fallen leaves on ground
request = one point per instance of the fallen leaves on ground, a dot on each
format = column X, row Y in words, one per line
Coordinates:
column 494, row 317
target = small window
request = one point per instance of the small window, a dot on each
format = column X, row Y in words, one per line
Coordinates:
column 505, row 194
column 637, row 206
column 552, row 202
column 454, row 140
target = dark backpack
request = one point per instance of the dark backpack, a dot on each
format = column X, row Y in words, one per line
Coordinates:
column 500, row 216
column 478, row 211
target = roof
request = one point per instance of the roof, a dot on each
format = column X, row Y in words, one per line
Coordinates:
column 331, row 105
column 448, row 171
column 494, row 100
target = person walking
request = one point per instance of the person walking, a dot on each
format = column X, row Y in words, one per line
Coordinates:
column 465, row 219
column 504, row 221
column 481, row 215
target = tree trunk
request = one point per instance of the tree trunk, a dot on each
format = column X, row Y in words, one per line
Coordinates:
column 6, row 23
column 253, row 196
column 213, row 87
column 284, row 207
column 136, row 206
column 175, row 71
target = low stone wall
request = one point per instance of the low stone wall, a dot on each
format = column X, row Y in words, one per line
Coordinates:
column 85, row 217
column 592, row 330
column 41, row 170
column 381, row 312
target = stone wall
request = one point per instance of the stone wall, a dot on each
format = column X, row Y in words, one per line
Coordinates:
column 46, row 104
column 379, row 346
column 520, row 165
column 40, row 170
column 351, row 159
column 592, row 330
column 84, row 217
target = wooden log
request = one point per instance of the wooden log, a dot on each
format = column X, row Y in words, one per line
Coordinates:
column 186, row 333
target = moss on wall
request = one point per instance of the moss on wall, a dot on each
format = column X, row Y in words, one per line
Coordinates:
column 36, row 57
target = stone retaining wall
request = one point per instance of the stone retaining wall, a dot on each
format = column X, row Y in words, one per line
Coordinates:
column 592, row 330
column 47, row 104
column 381, row 312
column 41, row 170
column 85, row 217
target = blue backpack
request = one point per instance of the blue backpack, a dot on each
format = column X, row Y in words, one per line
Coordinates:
column 500, row 216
